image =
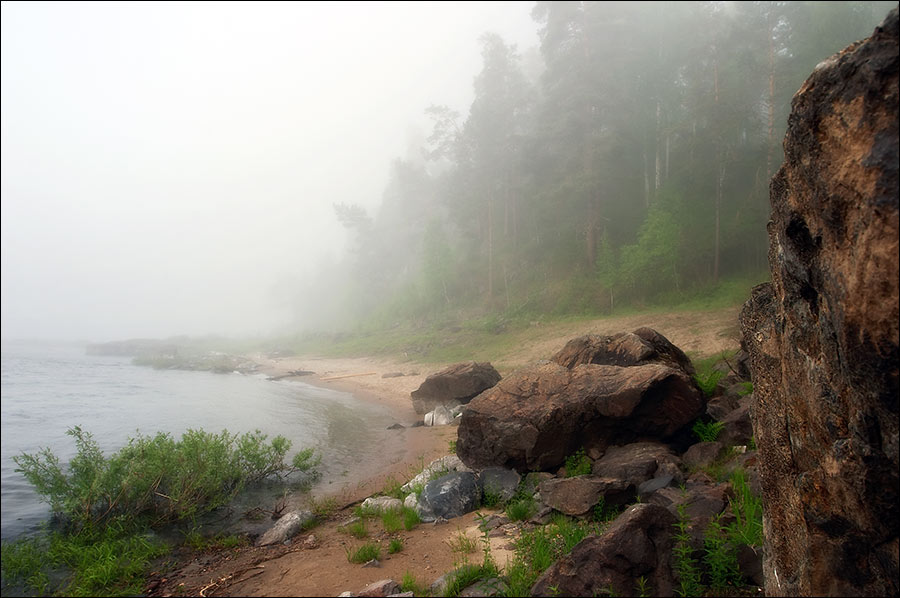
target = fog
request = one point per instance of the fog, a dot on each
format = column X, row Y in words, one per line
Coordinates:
column 171, row 168
column 272, row 169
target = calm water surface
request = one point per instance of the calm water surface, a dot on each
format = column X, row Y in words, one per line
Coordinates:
column 47, row 389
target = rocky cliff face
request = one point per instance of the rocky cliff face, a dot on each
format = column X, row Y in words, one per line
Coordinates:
column 823, row 336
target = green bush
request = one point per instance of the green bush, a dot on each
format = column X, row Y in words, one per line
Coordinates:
column 687, row 569
column 577, row 464
column 747, row 509
column 410, row 518
column 155, row 478
column 521, row 509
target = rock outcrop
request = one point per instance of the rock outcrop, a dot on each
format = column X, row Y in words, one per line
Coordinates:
column 640, row 347
column 637, row 544
column 458, row 383
column 542, row 413
column 823, row 335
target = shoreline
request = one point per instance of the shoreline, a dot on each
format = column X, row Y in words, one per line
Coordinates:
column 401, row 452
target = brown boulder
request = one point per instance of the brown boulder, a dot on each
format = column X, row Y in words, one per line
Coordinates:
column 458, row 383
column 540, row 414
column 637, row 544
column 823, row 335
column 578, row 495
column 637, row 462
column 640, row 347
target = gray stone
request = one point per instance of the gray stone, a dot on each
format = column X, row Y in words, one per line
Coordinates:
column 578, row 495
column 286, row 528
column 500, row 481
column 450, row 496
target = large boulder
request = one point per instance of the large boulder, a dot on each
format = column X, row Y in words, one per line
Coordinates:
column 458, row 383
column 823, row 335
column 637, row 544
column 640, row 347
column 541, row 413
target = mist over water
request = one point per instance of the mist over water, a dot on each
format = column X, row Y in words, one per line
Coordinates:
column 48, row 389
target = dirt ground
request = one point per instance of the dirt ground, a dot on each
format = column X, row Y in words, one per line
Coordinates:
column 319, row 566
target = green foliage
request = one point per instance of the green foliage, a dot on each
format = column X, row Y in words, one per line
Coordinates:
column 720, row 557
column 409, row 583
column 604, row 513
column 746, row 388
column 521, row 509
column 410, row 518
column 364, row 553
column 392, row 520
column 709, row 381
column 492, row 498
column 156, row 478
column 452, row 447
column 357, row 529
column 324, row 507
column 577, row 464
column 747, row 508
column 536, row 550
column 462, row 544
column 687, row 569
column 393, row 487
column 395, row 545
column 642, row 587
column 110, row 561
column 707, row 431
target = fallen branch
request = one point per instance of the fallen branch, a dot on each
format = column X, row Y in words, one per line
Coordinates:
column 348, row 376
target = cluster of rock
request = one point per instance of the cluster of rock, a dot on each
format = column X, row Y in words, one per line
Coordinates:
column 629, row 400
column 443, row 395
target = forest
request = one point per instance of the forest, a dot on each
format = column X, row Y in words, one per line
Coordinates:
column 623, row 163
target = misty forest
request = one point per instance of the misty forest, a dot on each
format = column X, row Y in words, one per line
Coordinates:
column 624, row 163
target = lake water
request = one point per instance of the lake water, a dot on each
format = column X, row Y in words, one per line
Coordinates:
column 48, row 389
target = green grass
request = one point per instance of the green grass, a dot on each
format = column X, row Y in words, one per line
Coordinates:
column 409, row 583
column 410, row 518
column 720, row 557
column 110, row 561
column 461, row 544
column 392, row 487
column 395, row 545
column 392, row 520
column 521, row 509
column 357, row 529
column 324, row 507
column 536, row 550
column 577, row 464
column 365, row 553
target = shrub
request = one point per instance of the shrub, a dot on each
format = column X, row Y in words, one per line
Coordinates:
column 365, row 553
column 357, row 529
column 155, row 477
column 577, row 464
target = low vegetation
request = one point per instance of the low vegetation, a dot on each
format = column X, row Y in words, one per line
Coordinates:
column 109, row 504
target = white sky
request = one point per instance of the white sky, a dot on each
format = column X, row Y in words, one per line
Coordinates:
column 168, row 167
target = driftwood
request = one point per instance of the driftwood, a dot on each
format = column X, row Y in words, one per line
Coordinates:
column 349, row 376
